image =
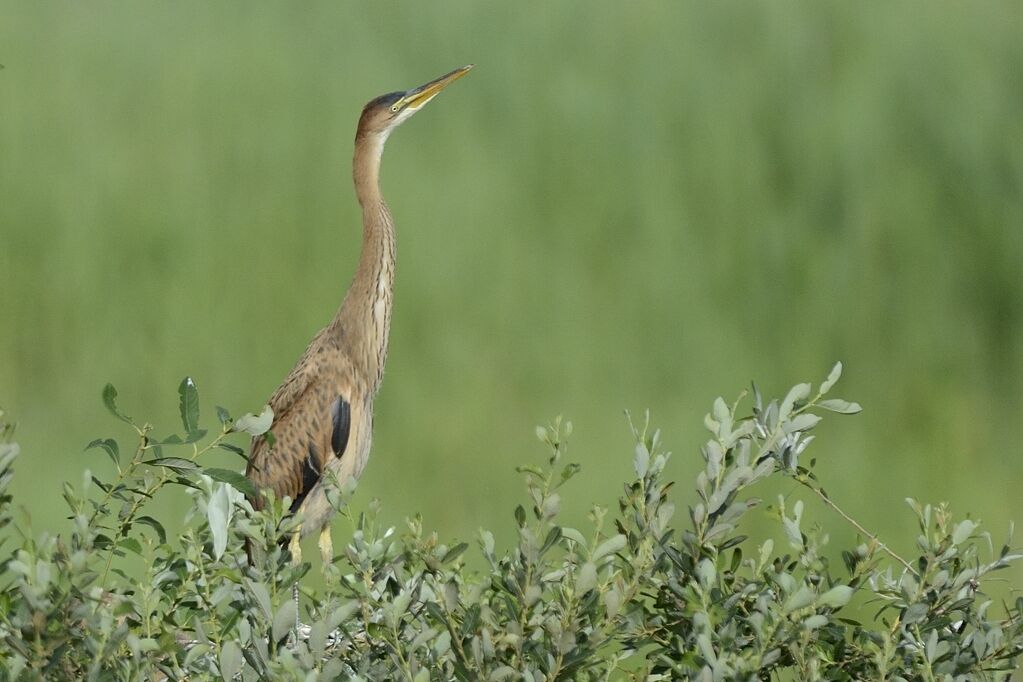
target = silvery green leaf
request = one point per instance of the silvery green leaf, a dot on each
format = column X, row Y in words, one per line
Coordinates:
column 707, row 573
column 698, row 513
column 255, row 426
column 586, row 579
column 962, row 531
column 837, row 597
column 15, row 665
column 815, row 621
column 318, row 638
column 765, row 551
column 612, row 602
column 195, row 652
column 914, row 613
column 262, row 596
column 451, row 595
column 641, row 460
column 793, row 533
column 799, row 599
column 710, row 424
column 399, row 607
column 932, row 645
column 715, row 457
column 341, row 614
column 722, row 416
column 610, row 546
column 230, row 660
column 218, row 513
column 284, row 619
column 443, row 643
column 840, row 406
column 836, row 372
column 801, row 422
column 797, row 393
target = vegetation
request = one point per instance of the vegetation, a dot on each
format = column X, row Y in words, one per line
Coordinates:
column 624, row 205
column 636, row 594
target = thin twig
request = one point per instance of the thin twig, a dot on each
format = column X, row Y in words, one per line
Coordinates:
column 828, row 501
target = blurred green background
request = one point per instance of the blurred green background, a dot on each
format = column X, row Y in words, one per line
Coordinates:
column 625, row 206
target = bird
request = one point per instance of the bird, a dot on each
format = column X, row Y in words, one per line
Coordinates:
column 322, row 424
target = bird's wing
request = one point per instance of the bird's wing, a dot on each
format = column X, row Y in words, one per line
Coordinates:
column 301, row 377
column 312, row 422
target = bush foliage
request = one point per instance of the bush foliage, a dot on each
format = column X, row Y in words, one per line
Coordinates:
column 638, row 594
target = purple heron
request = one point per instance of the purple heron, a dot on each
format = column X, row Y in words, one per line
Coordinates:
column 323, row 410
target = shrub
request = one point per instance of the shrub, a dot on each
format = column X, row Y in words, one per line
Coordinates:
column 632, row 596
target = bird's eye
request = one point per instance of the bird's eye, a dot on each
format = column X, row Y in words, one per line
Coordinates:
column 394, row 108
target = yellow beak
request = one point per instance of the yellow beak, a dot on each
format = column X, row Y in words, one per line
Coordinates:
column 417, row 97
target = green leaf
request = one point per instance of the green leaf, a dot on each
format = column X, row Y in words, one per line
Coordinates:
column 188, row 405
column 232, row 478
column 131, row 544
column 108, row 445
column 552, row 538
column 175, row 463
column 223, row 416
column 454, row 552
column 155, row 525
column 839, row 405
column 255, row 426
column 231, row 447
column 110, row 400
column 230, row 660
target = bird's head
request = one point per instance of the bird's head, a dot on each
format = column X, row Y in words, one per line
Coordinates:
column 387, row 112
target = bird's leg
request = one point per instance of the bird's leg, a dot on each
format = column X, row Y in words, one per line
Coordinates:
column 295, row 547
column 326, row 547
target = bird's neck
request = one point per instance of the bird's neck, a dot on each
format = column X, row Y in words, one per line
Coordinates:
column 363, row 322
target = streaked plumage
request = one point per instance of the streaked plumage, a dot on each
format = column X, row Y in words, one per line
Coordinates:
column 323, row 411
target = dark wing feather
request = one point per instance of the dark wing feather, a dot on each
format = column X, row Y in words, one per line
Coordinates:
column 311, row 470
column 341, row 414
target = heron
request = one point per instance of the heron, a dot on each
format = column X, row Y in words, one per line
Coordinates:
column 323, row 410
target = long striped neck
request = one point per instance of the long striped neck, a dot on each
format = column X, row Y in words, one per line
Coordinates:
column 363, row 322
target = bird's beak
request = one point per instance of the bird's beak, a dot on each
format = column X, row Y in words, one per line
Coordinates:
column 417, row 97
